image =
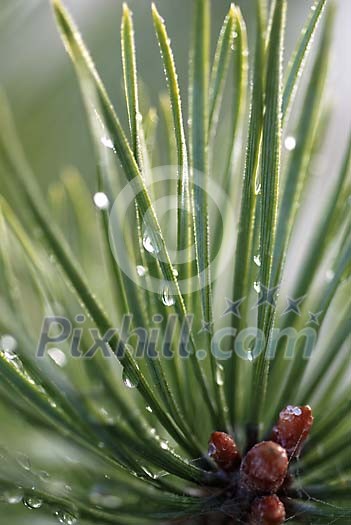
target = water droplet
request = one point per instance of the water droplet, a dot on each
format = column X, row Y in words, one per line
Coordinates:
column 58, row 356
column 290, row 143
column 291, row 410
column 313, row 7
column 161, row 474
column 329, row 275
column 235, row 34
column 149, row 409
column 11, row 356
column 148, row 473
column 141, row 270
column 24, row 461
column 257, row 286
column 257, row 260
column 33, row 503
column 129, row 381
column 258, row 189
column 101, row 200
column 106, row 141
column 149, row 243
column 16, row 362
column 43, row 475
column 249, row 356
column 164, row 445
column 65, row 517
column 139, row 117
column 12, row 497
column 220, row 375
column 175, row 272
column 166, row 297
column 8, row 343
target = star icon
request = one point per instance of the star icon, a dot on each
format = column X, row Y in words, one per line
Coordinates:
column 267, row 296
column 206, row 326
column 314, row 317
column 293, row 305
column 233, row 307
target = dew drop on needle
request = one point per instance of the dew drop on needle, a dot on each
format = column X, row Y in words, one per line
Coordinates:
column 141, row 270
column 166, row 297
column 101, row 200
column 106, row 141
column 66, row 518
column 128, row 381
column 290, row 143
column 33, row 503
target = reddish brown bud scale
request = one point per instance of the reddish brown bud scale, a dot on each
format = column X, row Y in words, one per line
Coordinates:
column 223, row 450
column 268, row 510
column 292, row 429
column 264, row 467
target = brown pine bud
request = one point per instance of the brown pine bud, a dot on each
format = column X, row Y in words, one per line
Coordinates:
column 223, row 450
column 264, row 467
column 268, row 510
column 292, row 429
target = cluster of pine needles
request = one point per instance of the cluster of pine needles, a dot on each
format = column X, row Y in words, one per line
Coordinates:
column 128, row 437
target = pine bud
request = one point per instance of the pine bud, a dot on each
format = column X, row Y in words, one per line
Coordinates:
column 268, row 510
column 223, row 450
column 292, row 428
column 264, row 467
